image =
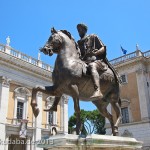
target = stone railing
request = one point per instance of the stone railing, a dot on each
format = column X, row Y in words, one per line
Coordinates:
column 49, row 126
column 146, row 54
column 130, row 56
column 24, row 57
column 29, row 59
column 17, row 122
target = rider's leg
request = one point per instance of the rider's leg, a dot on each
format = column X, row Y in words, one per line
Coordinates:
column 96, row 81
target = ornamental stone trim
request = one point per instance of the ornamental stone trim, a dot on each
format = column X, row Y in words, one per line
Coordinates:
column 39, row 94
column 49, row 101
column 22, row 91
column 65, row 99
column 5, row 81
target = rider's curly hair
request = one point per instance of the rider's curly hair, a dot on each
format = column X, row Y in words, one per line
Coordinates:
column 82, row 25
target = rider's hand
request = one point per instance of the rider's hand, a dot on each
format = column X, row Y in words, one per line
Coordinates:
column 94, row 52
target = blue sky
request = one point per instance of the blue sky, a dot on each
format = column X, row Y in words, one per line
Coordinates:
column 116, row 22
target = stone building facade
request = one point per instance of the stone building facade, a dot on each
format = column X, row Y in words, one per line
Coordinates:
column 134, row 70
column 19, row 73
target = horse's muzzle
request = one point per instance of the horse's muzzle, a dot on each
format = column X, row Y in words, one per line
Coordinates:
column 46, row 51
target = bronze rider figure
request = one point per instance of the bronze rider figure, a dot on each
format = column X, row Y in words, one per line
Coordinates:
column 94, row 55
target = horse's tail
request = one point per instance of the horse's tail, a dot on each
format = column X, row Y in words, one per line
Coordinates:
column 119, row 102
column 115, row 72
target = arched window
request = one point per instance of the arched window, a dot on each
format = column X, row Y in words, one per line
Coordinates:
column 22, row 95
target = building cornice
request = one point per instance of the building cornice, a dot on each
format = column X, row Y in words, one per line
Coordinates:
column 132, row 62
column 5, row 81
column 131, row 59
column 23, row 66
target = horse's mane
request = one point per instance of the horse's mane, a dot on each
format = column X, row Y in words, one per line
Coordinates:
column 67, row 33
column 70, row 36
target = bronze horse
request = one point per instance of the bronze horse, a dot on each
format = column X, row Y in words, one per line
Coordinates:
column 69, row 77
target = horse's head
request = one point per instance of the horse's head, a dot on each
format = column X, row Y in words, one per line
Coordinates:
column 53, row 45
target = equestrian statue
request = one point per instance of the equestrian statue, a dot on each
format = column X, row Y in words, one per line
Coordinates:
column 83, row 72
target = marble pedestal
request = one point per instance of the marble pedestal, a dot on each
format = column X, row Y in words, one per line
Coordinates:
column 91, row 142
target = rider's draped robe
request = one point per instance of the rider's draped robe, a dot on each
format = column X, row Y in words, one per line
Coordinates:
column 101, row 59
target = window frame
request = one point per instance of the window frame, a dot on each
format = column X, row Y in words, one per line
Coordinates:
column 126, row 103
column 21, row 95
column 20, row 109
column 127, row 118
column 50, row 120
column 125, row 77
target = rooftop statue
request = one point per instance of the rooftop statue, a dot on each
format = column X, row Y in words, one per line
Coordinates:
column 83, row 72
column 8, row 41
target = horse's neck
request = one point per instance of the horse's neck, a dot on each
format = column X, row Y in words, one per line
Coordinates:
column 69, row 51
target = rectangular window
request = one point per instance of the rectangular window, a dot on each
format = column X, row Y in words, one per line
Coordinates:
column 20, row 110
column 125, row 115
column 50, row 118
column 123, row 78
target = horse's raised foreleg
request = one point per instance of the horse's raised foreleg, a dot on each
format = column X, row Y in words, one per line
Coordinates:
column 47, row 90
column 103, row 111
column 75, row 96
column 118, row 114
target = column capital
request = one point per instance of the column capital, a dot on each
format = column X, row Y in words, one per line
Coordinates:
column 39, row 94
column 140, row 70
column 8, row 135
column 65, row 99
column 5, row 81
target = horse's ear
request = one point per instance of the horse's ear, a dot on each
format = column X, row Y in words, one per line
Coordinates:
column 53, row 30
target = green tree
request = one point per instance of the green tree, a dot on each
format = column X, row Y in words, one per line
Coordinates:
column 92, row 122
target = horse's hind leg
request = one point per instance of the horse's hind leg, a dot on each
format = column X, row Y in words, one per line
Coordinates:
column 103, row 111
column 118, row 114
column 75, row 95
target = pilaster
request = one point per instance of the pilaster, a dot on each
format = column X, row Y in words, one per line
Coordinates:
column 65, row 113
column 143, row 93
column 4, row 96
column 6, row 142
column 28, row 146
column 38, row 121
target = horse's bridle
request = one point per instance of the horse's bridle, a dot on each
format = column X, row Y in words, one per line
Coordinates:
column 53, row 44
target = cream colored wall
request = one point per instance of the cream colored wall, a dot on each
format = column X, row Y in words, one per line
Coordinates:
column 58, row 115
column 30, row 114
column 11, row 103
column 129, row 91
column 44, row 117
column 44, row 114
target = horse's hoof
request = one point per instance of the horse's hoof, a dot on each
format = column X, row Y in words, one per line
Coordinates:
column 38, row 87
column 33, row 104
column 51, row 109
column 115, row 134
column 97, row 95
column 36, row 112
column 46, row 109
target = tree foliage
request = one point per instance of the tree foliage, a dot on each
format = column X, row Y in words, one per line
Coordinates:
column 92, row 122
